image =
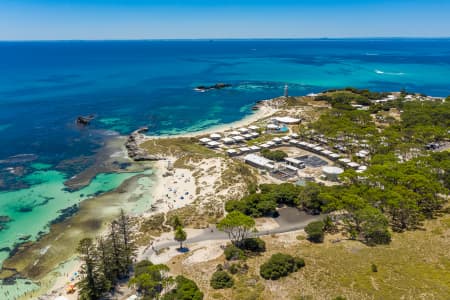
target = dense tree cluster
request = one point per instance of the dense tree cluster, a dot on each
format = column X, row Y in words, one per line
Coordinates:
column 265, row 202
column 108, row 260
column 280, row 265
column 390, row 194
column 153, row 280
column 275, row 155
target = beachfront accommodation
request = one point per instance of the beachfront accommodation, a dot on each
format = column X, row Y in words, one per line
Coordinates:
column 277, row 141
column 255, row 148
column 204, row 141
column 259, row 162
column 253, row 127
column 234, row 133
column 227, row 141
column 213, row 144
column 243, row 130
column 232, row 152
column 238, row 139
column 285, row 138
column 247, row 136
column 294, row 136
column 215, row 136
column 244, row 150
column 254, row 134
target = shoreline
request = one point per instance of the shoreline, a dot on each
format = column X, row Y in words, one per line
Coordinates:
column 264, row 110
column 167, row 192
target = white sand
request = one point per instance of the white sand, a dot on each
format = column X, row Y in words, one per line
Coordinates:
column 172, row 189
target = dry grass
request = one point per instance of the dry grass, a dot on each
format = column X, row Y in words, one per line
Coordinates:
column 416, row 265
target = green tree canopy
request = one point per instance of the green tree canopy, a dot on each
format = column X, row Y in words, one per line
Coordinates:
column 237, row 226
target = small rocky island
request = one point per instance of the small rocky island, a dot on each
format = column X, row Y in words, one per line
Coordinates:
column 217, row 86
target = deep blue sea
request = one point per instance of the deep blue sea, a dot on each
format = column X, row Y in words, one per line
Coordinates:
column 44, row 86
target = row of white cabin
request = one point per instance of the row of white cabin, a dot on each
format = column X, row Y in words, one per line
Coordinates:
column 237, row 136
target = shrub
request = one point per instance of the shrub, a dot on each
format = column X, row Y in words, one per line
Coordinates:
column 233, row 253
column 374, row 268
column 255, row 245
column 280, row 265
column 315, row 231
column 221, row 280
column 185, row 289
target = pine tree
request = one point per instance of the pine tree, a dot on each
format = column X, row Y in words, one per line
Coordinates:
column 128, row 245
column 93, row 283
column 116, row 251
column 105, row 257
column 180, row 236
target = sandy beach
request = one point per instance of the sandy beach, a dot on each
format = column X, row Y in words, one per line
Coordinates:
column 174, row 188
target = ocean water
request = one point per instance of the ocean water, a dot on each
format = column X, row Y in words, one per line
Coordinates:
column 44, row 86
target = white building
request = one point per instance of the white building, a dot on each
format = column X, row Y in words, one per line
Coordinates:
column 213, row 144
column 227, row 140
column 259, row 161
column 204, row 141
column 215, row 136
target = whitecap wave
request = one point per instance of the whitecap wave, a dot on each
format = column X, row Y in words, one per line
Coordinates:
column 388, row 73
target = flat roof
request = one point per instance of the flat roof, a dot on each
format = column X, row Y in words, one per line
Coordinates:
column 293, row 160
column 258, row 160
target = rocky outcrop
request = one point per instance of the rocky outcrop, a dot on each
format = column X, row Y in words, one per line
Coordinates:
column 85, row 120
column 217, row 86
column 135, row 152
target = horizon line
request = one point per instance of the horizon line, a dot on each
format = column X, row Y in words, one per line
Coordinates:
column 234, row 39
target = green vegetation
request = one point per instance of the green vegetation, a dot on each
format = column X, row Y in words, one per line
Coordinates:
column 265, row 202
column 315, row 231
column 276, row 155
column 280, row 265
column 221, row 280
column 180, row 236
column 151, row 279
column 233, row 253
column 253, row 245
column 106, row 262
column 237, row 226
column 185, row 289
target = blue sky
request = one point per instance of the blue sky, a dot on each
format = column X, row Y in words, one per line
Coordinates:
column 159, row 19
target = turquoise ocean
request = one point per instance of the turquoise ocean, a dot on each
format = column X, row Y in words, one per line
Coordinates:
column 44, row 86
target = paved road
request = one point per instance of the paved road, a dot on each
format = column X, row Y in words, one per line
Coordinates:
column 290, row 219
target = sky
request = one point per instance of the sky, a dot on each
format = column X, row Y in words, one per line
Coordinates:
column 208, row 19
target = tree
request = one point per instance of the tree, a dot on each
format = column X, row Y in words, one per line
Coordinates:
column 373, row 226
column 151, row 279
column 237, row 226
column 176, row 222
column 93, row 283
column 315, row 231
column 180, row 236
column 185, row 289
column 128, row 248
column 280, row 265
column 221, row 280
